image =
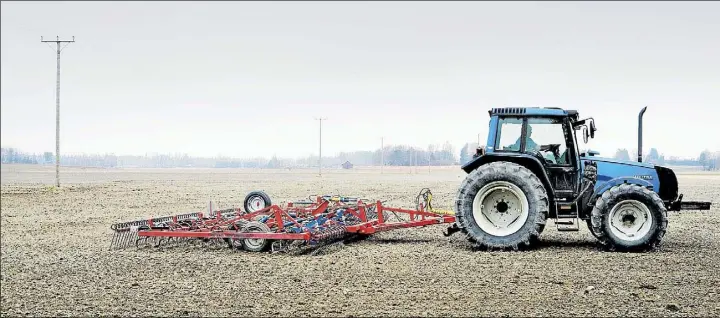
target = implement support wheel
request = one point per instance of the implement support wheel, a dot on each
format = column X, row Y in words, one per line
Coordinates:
column 256, row 245
column 256, row 201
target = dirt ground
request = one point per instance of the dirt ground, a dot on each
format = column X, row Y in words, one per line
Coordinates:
column 55, row 257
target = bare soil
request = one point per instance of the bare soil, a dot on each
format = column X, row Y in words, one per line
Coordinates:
column 55, row 257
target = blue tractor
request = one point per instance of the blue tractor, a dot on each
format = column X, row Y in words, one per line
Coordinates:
column 532, row 170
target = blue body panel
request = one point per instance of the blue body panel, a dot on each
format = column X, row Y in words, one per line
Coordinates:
column 612, row 172
column 490, row 144
column 529, row 111
column 536, row 111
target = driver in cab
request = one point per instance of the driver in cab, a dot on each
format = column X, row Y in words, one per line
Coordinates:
column 530, row 144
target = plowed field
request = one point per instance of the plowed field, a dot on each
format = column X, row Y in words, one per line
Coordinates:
column 55, row 257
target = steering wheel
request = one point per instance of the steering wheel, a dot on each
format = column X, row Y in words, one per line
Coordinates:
column 537, row 154
column 554, row 149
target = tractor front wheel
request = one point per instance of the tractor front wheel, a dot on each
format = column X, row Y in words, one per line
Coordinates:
column 629, row 217
column 502, row 205
column 592, row 231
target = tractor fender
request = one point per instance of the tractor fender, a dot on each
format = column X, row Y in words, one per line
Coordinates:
column 602, row 187
column 524, row 160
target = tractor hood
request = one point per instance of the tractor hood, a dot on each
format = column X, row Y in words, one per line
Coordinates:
column 662, row 179
column 609, row 169
column 619, row 162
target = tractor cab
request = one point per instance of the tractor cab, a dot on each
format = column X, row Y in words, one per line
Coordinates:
column 546, row 136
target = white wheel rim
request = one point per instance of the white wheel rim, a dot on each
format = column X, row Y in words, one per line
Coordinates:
column 256, row 203
column 630, row 220
column 500, row 208
column 257, row 242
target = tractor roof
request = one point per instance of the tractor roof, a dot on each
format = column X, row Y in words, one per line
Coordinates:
column 534, row 111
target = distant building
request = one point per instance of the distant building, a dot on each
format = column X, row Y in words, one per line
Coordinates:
column 347, row 165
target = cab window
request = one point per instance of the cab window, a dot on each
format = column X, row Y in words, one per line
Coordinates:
column 509, row 132
column 546, row 136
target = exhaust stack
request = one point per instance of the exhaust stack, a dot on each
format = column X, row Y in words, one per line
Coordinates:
column 640, row 117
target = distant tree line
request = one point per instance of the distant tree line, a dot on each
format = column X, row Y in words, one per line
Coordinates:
column 397, row 155
column 707, row 159
column 11, row 155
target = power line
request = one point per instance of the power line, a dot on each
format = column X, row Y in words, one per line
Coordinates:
column 59, row 49
column 320, row 156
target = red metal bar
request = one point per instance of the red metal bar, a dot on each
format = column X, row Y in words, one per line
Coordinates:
column 269, row 236
column 353, row 212
column 226, row 234
column 412, row 212
column 391, row 226
column 278, row 217
column 320, row 208
column 359, row 228
column 363, row 213
column 381, row 218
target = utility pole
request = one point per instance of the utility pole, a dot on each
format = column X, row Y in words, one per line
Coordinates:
column 320, row 156
column 428, row 159
column 58, row 49
column 415, row 163
column 382, row 154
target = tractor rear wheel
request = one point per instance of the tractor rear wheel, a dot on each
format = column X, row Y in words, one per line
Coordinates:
column 502, row 205
column 629, row 217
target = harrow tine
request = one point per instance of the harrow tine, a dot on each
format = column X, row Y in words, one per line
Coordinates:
column 113, row 240
column 128, row 238
column 122, row 239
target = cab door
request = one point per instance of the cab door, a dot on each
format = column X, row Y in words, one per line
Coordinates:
column 551, row 141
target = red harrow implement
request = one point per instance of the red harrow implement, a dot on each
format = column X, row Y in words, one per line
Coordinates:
column 261, row 226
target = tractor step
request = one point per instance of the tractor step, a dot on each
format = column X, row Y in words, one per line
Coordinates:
column 567, row 225
column 567, row 217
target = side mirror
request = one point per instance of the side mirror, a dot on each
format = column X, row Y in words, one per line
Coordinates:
column 479, row 151
column 593, row 153
column 585, row 134
column 592, row 129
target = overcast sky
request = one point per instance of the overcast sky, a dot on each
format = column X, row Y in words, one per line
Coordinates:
column 248, row 79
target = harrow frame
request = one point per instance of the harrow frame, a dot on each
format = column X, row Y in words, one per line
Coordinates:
column 287, row 224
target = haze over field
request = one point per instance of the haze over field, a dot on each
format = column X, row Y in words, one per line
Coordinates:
column 246, row 79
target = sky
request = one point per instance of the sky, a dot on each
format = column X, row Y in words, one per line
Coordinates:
column 250, row 79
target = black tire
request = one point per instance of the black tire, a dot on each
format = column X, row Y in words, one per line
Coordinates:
column 235, row 243
column 250, row 199
column 590, row 176
column 592, row 231
column 533, row 189
column 256, row 245
column 601, row 215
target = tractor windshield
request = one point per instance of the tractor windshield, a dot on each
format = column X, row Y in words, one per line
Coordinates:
column 544, row 136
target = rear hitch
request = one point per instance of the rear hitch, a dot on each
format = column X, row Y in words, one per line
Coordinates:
column 679, row 205
column 451, row 230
